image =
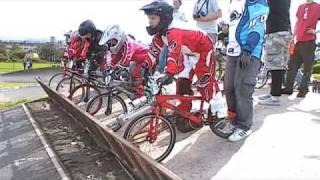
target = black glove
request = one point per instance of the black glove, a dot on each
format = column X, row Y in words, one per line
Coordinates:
column 245, row 60
column 165, row 80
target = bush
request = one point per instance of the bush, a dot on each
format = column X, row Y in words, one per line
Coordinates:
column 316, row 69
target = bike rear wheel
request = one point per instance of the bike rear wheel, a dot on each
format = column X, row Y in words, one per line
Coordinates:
column 262, row 79
column 153, row 135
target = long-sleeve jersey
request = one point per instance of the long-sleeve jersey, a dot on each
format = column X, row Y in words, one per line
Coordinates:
column 81, row 49
column 182, row 40
column 131, row 51
column 76, row 47
column 247, row 27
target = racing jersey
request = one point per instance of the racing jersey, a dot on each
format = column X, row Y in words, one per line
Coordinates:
column 247, row 27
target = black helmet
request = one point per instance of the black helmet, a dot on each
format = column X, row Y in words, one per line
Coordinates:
column 87, row 27
column 162, row 9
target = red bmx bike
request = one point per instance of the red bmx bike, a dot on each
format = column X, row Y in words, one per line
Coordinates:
column 154, row 133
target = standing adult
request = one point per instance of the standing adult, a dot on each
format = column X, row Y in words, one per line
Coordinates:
column 206, row 13
column 246, row 41
column 177, row 13
column 305, row 32
column 276, row 48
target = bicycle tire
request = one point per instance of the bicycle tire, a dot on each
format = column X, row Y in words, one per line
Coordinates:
column 166, row 121
column 264, row 81
column 215, row 128
column 56, row 75
column 93, row 100
column 77, row 81
column 81, row 86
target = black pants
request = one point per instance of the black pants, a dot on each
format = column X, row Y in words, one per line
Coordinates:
column 277, row 80
column 304, row 55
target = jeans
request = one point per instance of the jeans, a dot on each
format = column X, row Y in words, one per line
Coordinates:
column 239, row 85
column 163, row 59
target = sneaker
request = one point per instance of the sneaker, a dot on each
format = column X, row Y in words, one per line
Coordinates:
column 239, row 134
column 264, row 97
column 271, row 101
column 286, row 91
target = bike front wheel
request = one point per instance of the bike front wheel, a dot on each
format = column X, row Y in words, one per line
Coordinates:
column 83, row 93
column 66, row 85
column 56, row 78
column 153, row 135
column 107, row 106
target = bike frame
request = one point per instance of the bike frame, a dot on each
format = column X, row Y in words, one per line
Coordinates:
column 161, row 104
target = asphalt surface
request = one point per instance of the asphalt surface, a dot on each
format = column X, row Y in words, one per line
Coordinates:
column 22, row 155
column 29, row 92
column 285, row 145
column 28, row 76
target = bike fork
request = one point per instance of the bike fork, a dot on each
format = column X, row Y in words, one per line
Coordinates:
column 109, row 105
column 153, row 129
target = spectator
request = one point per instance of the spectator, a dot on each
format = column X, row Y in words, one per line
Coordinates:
column 25, row 60
column 223, row 33
column 177, row 14
column 277, row 42
column 305, row 33
column 246, row 41
column 206, row 12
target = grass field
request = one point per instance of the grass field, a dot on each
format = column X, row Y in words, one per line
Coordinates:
column 14, row 85
column 9, row 104
column 18, row 66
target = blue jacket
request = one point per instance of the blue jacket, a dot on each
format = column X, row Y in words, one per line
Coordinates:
column 252, row 27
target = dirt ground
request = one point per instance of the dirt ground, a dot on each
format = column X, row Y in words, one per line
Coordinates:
column 76, row 149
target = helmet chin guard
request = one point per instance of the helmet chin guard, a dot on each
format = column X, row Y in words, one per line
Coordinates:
column 114, row 38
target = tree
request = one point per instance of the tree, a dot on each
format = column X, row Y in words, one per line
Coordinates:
column 2, row 48
column 16, row 52
column 49, row 51
column 3, row 52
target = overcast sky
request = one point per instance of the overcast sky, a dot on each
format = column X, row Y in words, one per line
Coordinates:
column 40, row 19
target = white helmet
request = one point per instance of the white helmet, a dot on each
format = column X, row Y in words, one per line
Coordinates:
column 113, row 37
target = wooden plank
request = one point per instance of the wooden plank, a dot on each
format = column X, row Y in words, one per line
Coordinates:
column 138, row 163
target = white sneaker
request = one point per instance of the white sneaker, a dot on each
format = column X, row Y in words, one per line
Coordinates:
column 264, row 97
column 271, row 101
column 239, row 134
